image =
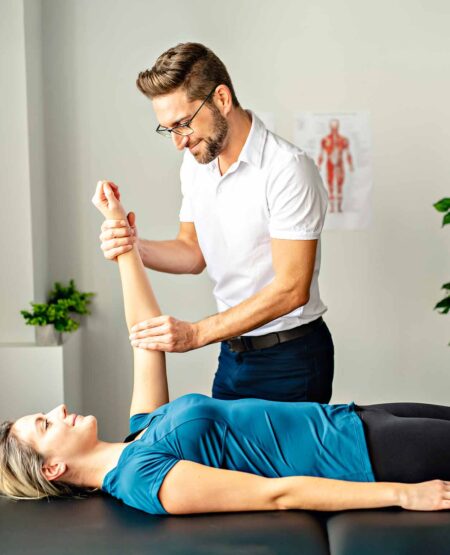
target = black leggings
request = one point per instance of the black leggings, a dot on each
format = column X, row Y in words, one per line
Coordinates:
column 407, row 442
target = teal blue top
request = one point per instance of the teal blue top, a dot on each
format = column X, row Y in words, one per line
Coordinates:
column 267, row 438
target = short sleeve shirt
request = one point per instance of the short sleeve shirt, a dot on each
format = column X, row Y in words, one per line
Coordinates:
column 273, row 191
column 266, row 438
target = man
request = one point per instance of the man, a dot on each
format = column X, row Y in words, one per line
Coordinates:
column 252, row 212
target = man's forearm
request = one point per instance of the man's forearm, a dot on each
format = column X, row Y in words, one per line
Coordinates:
column 172, row 257
column 268, row 304
column 323, row 494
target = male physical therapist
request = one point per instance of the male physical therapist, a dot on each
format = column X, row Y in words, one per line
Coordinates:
column 252, row 212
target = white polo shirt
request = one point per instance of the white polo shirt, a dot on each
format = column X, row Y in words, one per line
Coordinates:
column 273, row 190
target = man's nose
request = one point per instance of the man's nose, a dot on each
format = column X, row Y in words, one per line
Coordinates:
column 179, row 141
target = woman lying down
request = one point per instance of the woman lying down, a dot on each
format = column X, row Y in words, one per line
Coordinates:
column 197, row 454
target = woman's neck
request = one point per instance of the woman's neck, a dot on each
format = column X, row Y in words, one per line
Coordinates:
column 89, row 470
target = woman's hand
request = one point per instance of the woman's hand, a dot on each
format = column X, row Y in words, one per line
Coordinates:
column 426, row 496
column 107, row 200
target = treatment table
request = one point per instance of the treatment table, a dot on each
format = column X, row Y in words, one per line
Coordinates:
column 102, row 525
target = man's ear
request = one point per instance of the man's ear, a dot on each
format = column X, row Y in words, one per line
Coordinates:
column 54, row 471
column 224, row 99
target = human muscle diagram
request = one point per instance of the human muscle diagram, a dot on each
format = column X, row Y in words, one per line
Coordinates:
column 335, row 147
column 339, row 143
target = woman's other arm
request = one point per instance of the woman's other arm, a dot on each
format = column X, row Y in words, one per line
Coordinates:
column 194, row 488
column 150, row 388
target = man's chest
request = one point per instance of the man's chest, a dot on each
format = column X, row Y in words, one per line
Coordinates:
column 231, row 217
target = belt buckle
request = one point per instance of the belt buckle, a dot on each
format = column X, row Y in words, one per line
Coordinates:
column 236, row 342
column 247, row 342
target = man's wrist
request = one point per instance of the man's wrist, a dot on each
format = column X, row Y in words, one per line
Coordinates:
column 201, row 335
column 140, row 243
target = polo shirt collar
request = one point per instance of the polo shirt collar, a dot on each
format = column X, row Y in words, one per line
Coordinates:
column 253, row 148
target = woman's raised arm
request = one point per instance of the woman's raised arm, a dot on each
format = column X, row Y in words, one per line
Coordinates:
column 150, row 389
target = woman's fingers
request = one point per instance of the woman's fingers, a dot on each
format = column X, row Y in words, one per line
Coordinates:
column 115, row 188
column 106, row 199
column 99, row 197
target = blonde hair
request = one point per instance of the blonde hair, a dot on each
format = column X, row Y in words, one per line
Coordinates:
column 21, row 475
column 189, row 65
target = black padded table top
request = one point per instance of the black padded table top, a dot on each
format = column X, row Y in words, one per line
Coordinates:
column 101, row 525
column 389, row 532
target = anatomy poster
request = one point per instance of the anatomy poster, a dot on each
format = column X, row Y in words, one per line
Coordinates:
column 340, row 145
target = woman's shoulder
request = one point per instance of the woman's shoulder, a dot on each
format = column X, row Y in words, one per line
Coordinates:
column 192, row 398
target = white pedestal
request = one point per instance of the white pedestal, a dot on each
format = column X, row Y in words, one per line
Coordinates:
column 37, row 379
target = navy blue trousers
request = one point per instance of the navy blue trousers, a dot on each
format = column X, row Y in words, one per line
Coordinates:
column 297, row 370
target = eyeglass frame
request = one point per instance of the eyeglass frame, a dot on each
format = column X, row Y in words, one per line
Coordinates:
column 160, row 129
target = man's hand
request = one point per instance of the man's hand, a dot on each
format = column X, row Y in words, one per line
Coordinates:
column 118, row 236
column 165, row 333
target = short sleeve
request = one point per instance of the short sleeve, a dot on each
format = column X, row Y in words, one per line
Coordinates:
column 142, row 477
column 297, row 200
column 138, row 421
column 186, row 176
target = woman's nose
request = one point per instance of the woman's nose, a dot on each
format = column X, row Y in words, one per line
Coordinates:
column 60, row 410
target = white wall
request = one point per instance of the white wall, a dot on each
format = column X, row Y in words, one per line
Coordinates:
column 380, row 284
column 16, row 270
column 36, row 135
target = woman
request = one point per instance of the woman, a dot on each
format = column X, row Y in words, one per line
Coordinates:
column 198, row 454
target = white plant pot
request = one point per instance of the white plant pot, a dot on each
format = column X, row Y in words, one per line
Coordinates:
column 47, row 335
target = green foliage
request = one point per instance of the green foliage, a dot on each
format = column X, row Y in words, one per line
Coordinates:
column 62, row 302
column 76, row 302
column 444, row 305
column 443, row 205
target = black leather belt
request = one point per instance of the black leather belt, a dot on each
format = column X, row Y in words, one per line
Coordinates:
column 244, row 343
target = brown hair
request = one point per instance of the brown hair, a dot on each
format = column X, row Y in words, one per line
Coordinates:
column 21, row 475
column 189, row 65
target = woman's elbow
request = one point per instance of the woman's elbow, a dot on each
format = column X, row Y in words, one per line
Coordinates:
column 278, row 495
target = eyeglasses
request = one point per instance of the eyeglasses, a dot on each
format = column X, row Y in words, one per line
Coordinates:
column 184, row 128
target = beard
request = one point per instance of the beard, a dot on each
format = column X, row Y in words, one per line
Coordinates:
column 213, row 144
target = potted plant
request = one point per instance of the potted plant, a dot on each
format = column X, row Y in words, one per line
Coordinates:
column 443, row 206
column 57, row 315
column 76, row 302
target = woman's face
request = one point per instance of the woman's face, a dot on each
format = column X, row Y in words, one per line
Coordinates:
column 58, row 434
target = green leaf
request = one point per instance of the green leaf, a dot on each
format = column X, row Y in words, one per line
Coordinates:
column 446, row 286
column 442, row 205
column 443, row 306
column 446, row 219
column 76, row 301
column 63, row 301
